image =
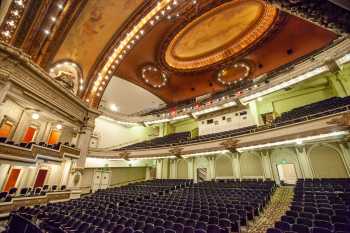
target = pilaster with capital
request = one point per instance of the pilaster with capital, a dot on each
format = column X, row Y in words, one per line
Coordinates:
column 266, row 164
column 4, row 91
column 211, row 172
column 85, row 134
column 304, row 162
column 236, row 165
column 345, row 149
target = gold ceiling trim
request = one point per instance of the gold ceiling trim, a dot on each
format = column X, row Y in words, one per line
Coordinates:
column 249, row 38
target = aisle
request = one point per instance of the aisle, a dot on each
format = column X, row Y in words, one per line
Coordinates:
column 278, row 206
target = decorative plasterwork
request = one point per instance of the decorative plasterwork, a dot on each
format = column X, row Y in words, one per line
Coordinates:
column 36, row 152
column 69, row 74
column 230, row 144
column 343, row 120
column 33, row 81
column 132, row 34
column 177, row 151
column 154, row 76
column 12, row 19
column 234, row 74
column 212, row 37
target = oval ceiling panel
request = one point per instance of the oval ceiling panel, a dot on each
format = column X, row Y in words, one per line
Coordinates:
column 220, row 33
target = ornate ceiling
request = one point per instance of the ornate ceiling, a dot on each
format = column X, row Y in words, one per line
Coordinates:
column 175, row 49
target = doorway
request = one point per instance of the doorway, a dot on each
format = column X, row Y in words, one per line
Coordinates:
column 201, row 174
column 287, row 173
column 101, row 180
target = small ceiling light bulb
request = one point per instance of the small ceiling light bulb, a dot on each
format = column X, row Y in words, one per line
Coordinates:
column 114, row 108
column 58, row 126
column 35, row 116
column 299, row 141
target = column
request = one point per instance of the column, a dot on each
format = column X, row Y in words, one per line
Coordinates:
column 253, row 106
column 345, row 149
column 148, row 173
column 173, row 163
column 337, row 85
column 165, row 168
column 159, row 167
column 83, row 145
column 304, row 162
column 66, row 168
column 4, row 91
column 236, row 165
column 211, row 173
column 266, row 164
column 191, row 169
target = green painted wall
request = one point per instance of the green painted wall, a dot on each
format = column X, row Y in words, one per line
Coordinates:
column 310, row 91
column 185, row 126
column 126, row 174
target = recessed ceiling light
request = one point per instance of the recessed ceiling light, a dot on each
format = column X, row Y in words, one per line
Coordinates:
column 58, row 126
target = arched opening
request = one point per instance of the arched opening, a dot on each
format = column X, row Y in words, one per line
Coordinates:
column 223, row 166
column 251, row 165
column 327, row 162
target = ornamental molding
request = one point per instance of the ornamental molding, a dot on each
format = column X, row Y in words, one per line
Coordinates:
column 36, row 83
column 10, row 152
column 230, row 144
column 343, row 120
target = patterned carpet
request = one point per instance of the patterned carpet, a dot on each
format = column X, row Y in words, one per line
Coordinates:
column 275, row 209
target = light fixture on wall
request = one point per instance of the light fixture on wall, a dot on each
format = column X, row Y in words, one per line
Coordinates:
column 35, row 116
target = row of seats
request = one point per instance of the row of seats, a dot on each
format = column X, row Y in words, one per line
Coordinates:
column 318, row 206
column 159, row 206
column 29, row 192
column 30, row 144
column 315, row 110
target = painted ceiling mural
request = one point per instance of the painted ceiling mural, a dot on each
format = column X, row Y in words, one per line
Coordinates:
column 93, row 29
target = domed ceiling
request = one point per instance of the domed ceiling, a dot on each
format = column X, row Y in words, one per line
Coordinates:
column 175, row 49
column 219, row 34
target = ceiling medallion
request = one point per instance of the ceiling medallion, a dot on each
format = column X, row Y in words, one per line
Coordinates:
column 236, row 74
column 221, row 33
column 153, row 76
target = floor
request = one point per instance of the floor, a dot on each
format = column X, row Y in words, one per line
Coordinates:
column 278, row 206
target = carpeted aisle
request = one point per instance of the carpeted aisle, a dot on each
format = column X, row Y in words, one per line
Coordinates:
column 278, row 206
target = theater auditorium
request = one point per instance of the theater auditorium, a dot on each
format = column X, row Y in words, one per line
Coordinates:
column 174, row 116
